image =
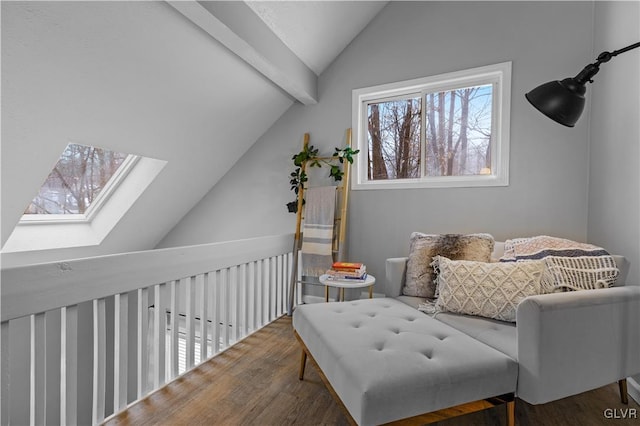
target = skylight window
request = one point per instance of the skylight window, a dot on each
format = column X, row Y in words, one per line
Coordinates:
column 81, row 180
column 84, row 197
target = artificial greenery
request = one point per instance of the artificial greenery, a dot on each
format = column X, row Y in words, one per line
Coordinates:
column 310, row 155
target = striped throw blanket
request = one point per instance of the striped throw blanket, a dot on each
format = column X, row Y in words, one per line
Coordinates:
column 569, row 265
column 317, row 231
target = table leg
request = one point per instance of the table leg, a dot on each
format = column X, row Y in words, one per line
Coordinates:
column 341, row 299
column 326, row 293
column 371, row 292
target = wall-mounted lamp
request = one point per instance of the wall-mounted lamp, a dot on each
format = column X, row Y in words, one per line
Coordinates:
column 563, row 101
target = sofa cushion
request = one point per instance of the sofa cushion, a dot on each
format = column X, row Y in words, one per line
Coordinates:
column 387, row 361
column 413, row 301
column 500, row 335
column 491, row 290
column 420, row 277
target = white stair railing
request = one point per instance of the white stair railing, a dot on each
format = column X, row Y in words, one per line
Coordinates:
column 83, row 339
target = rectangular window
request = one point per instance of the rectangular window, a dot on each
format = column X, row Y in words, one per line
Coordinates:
column 449, row 130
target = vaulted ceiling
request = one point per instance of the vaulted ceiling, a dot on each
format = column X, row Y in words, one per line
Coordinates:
column 191, row 83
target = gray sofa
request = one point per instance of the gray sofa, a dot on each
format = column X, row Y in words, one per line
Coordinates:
column 565, row 343
column 386, row 361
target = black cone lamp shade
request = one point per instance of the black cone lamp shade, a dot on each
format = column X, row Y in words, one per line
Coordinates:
column 563, row 101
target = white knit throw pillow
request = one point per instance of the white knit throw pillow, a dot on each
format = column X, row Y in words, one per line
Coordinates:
column 491, row 290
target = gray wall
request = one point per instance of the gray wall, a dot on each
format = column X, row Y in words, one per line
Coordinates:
column 548, row 165
column 614, row 178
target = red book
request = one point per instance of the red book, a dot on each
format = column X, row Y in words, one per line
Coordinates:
column 347, row 266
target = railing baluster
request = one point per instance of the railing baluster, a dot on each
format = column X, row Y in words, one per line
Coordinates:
column 4, row 373
column 251, row 298
column 120, row 350
column 204, row 316
column 287, row 281
column 190, row 321
column 99, row 359
column 175, row 328
column 159, row 335
column 266, row 288
column 279, row 282
column 259, row 294
column 233, row 303
column 38, row 370
column 226, row 308
column 68, row 365
column 143, row 351
column 216, row 284
column 273, row 289
column 241, row 302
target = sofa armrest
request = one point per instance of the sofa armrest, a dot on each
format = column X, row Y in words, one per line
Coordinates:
column 395, row 269
column 577, row 341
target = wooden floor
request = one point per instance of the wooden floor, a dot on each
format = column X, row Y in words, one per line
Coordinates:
column 256, row 383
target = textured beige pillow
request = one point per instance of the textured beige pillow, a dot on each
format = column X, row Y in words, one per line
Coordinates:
column 491, row 290
column 420, row 278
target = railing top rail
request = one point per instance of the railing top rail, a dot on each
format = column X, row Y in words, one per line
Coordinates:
column 38, row 288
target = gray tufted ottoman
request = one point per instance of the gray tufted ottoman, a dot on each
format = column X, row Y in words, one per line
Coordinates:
column 386, row 361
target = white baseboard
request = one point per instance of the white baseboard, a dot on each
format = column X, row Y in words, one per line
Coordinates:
column 633, row 389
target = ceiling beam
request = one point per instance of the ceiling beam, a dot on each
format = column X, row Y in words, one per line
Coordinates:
column 240, row 30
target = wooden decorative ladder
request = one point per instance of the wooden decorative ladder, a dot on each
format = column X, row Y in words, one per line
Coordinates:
column 340, row 221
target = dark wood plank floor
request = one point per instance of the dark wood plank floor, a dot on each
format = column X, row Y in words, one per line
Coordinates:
column 256, row 383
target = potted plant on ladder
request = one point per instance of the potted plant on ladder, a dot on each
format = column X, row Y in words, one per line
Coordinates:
column 309, row 155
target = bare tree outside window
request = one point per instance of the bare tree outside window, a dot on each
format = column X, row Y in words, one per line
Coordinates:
column 458, row 131
column 457, row 134
column 394, row 139
column 81, row 173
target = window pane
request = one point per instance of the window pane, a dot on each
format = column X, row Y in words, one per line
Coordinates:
column 458, row 131
column 394, row 139
column 76, row 180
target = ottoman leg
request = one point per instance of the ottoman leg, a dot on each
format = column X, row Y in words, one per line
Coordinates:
column 511, row 413
column 303, row 363
column 622, row 385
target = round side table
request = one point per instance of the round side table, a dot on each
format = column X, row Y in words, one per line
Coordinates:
column 342, row 284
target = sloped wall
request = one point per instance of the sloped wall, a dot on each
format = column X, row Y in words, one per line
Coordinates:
column 134, row 77
column 549, row 164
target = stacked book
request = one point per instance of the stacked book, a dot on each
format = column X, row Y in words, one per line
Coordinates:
column 347, row 271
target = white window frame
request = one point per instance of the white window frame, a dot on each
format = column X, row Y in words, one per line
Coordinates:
column 498, row 75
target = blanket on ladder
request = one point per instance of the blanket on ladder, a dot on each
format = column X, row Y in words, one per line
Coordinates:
column 317, row 232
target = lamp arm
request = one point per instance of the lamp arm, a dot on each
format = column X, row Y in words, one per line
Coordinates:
column 590, row 70
column 625, row 49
